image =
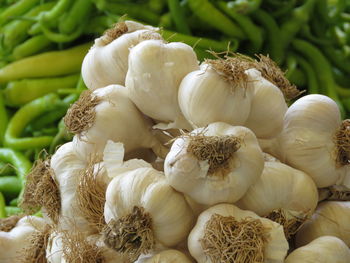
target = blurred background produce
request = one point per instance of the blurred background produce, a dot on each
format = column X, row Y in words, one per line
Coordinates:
column 43, row 43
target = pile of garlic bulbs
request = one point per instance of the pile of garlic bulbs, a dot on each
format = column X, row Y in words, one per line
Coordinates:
column 177, row 161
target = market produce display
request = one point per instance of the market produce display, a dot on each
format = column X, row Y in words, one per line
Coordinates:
column 181, row 133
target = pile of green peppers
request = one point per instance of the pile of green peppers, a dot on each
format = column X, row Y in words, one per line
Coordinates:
column 43, row 43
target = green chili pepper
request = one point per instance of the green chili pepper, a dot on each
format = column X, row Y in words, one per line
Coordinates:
column 22, row 117
column 253, row 32
column 31, row 46
column 3, row 118
column 312, row 83
column 283, row 8
column 5, row 168
column 330, row 11
column 10, row 186
column 166, row 21
column 274, row 47
column 49, row 64
column 156, row 5
column 215, row 18
column 74, row 16
column 22, row 91
column 204, row 43
column 11, row 210
column 244, row 7
column 16, row 9
column 2, row 206
column 60, row 7
column 337, row 57
column 50, row 117
column 293, row 25
column 14, row 202
column 19, row 162
column 323, row 70
column 178, row 16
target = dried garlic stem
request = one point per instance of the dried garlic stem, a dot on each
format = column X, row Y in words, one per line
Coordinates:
column 342, row 143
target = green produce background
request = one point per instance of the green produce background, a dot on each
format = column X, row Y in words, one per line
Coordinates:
column 43, row 43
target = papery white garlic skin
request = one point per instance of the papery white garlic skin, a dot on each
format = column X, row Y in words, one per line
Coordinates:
column 146, row 188
column 275, row 249
column 117, row 119
column 331, row 218
column 166, row 256
column 54, row 250
column 13, row 243
column 205, row 97
column 308, row 138
column 268, row 106
column 154, row 75
column 324, row 249
column 189, row 175
column 107, row 63
column 280, row 186
column 67, row 168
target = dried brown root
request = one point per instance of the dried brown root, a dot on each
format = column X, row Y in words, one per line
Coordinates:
column 8, row 223
column 231, row 69
column 91, row 195
column 150, row 35
column 229, row 240
column 217, row 150
column 36, row 251
column 338, row 193
column 81, row 115
column 290, row 221
column 111, row 34
column 76, row 249
column 270, row 71
column 342, row 144
column 131, row 235
column 41, row 190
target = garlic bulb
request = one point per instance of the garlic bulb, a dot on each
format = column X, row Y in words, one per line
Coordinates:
column 109, row 114
column 155, row 71
column 324, row 249
column 211, row 94
column 106, row 62
column 225, row 233
column 214, row 164
column 20, row 242
column 331, row 218
column 141, row 205
column 282, row 194
column 265, row 119
column 315, row 141
column 166, row 256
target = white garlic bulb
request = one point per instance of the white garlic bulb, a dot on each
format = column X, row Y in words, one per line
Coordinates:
column 166, row 256
column 323, row 249
column 141, row 205
column 106, row 62
column 283, row 194
column 314, row 139
column 268, row 106
column 225, row 233
column 154, row 75
column 16, row 242
column 214, row 164
column 109, row 114
column 209, row 95
column 331, row 218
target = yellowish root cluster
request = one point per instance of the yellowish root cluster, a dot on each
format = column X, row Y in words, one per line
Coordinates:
column 217, row 150
column 41, row 190
column 131, row 234
column 229, row 240
column 81, row 115
column 8, row 223
column 111, row 34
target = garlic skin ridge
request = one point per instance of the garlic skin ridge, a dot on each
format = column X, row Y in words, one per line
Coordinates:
column 106, row 62
column 187, row 174
column 166, row 256
column 265, row 119
column 153, row 78
column 205, row 97
column 323, row 249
